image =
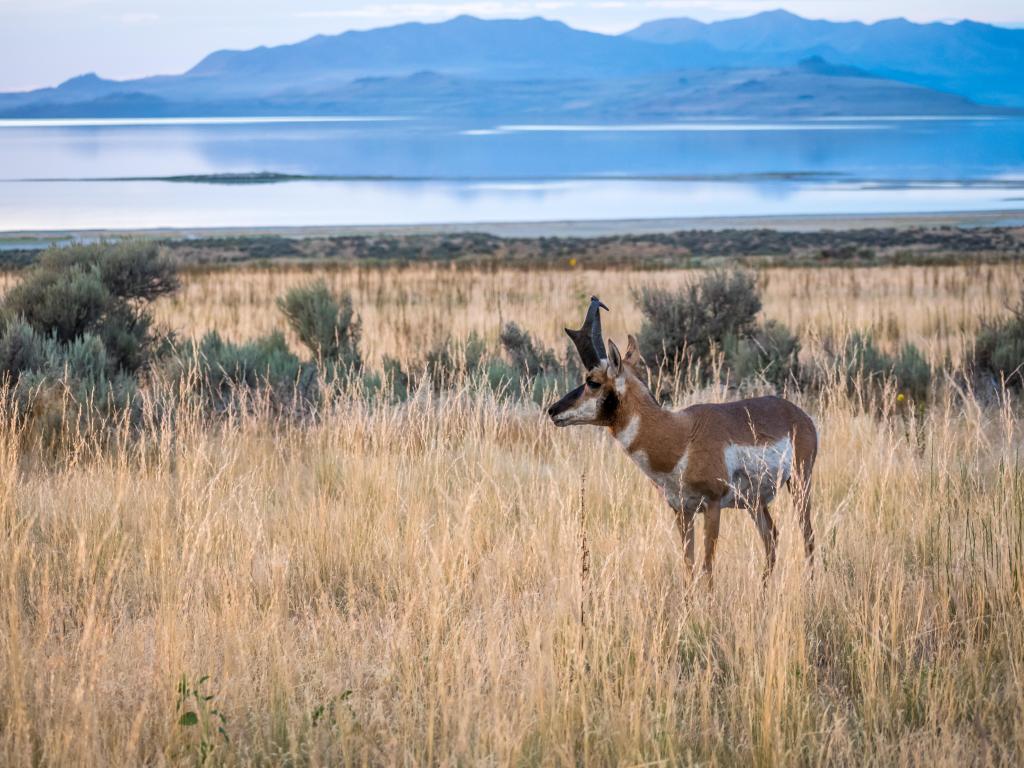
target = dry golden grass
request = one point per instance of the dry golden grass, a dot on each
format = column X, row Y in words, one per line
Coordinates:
column 404, row 310
column 402, row 585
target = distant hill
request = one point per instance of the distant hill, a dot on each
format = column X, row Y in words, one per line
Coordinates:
column 741, row 93
column 464, row 46
column 772, row 64
column 982, row 62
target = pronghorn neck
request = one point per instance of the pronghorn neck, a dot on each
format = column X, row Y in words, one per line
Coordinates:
column 637, row 411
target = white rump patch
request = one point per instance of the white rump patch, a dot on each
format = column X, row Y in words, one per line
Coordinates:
column 755, row 472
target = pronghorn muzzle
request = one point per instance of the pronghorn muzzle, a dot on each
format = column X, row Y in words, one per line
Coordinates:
column 561, row 412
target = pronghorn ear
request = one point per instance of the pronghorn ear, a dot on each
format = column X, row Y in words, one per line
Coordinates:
column 632, row 353
column 614, row 358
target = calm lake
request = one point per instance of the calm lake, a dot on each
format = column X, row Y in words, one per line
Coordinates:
column 91, row 174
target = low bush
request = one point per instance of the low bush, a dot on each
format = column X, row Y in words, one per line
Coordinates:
column 31, row 360
column 79, row 325
column 77, row 329
column 771, row 353
column 998, row 354
column 450, row 360
column 101, row 289
column 396, row 379
column 227, row 372
column 716, row 315
column 912, row 372
column 864, row 366
column 687, row 325
column 525, row 355
column 536, row 371
column 521, row 367
column 325, row 324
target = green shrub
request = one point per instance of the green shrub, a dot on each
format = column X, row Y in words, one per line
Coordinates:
column 770, row 353
column 449, row 360
column 227, row 372
column 326, row 325
column 688, row 324
column 81, row 363
column 22, row 348
column 524, row 354
column 63, row 302
column 100, row 289
column 397, row 378
column 912, row 372
column 521, row 368
column 861, row 362
column 717, row 314
column 61, row 386
column 999, row 349
column 76, row 333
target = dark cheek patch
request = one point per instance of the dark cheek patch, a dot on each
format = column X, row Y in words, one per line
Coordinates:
column 609, row 406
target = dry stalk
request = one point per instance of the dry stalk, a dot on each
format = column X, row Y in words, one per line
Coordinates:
column 584, row 561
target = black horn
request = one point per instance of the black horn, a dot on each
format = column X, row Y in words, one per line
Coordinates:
column 588, row 340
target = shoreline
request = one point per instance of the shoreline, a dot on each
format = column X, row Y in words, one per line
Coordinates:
column 573, row 228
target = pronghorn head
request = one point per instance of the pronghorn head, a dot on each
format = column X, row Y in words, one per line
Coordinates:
column 607, row 375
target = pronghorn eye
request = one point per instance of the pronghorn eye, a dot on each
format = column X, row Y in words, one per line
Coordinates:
column 593, row 384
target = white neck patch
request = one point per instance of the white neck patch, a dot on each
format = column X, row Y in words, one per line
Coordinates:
column 628, row 433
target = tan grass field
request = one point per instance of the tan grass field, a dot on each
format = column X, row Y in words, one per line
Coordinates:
column 405, row 309
column 403, row 584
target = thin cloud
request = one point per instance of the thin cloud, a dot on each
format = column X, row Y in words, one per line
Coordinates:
column 404, row 11
column 139, row 19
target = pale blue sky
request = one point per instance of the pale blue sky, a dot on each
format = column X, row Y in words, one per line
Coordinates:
column 43, row 42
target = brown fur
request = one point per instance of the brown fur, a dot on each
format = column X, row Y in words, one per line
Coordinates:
column 701, row 433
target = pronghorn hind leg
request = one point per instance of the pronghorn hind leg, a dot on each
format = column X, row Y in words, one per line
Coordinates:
column 801, row 488
column 769, row 537
column 805, row 452
column 712, row 515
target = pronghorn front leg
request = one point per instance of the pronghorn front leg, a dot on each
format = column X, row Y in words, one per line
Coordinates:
column 712, row 513
column 685, row 523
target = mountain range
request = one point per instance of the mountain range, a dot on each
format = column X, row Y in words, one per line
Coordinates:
column 768, row 65
column 982, row 62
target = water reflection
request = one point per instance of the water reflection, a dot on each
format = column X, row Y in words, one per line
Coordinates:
column 153, row 204
column 893, row 149
column 443, row 172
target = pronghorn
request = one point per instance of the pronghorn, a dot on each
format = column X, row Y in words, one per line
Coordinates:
column 703, row 458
